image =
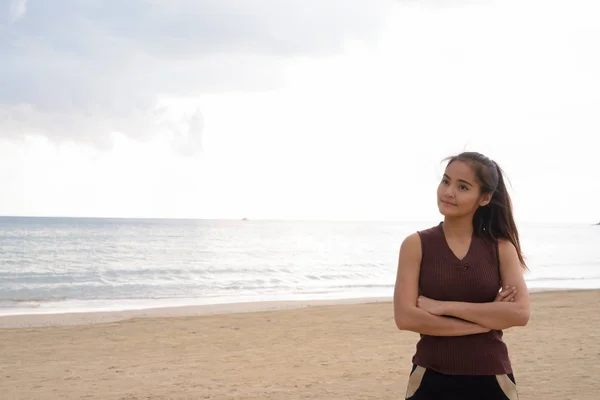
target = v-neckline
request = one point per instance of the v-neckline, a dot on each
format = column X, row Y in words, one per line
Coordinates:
column 449, row 249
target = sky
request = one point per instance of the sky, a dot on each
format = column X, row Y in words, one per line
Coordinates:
column 303, row 109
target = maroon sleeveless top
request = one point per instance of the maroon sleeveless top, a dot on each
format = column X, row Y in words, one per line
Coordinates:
column 474, row 279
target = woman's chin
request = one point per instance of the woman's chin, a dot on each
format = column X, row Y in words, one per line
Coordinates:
column 448, row 211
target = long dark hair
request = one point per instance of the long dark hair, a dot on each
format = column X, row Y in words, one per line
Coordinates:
column 495, row 220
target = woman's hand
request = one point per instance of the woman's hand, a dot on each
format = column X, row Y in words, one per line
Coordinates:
column 434, row 307
column 506, row 294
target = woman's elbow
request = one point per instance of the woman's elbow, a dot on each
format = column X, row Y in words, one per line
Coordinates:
column 520, row 317
column 403, row 321
column 523, row 317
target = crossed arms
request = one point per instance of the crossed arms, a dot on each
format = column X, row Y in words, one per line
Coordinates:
column 431, row 317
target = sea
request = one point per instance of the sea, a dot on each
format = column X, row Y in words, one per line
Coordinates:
column 59, row 265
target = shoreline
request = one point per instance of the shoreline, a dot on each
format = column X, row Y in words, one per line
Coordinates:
column 71, row 318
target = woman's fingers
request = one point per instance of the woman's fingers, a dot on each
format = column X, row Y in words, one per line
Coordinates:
column 507, row 294
column 501, row 295
column 510, row 294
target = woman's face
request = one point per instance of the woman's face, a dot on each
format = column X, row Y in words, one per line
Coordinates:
column 459, row 192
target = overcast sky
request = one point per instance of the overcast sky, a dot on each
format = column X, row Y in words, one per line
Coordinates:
column 303, row 109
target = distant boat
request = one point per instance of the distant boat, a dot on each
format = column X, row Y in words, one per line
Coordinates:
column 244, row 219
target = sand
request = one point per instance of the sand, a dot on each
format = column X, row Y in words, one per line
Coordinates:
column 305, row 350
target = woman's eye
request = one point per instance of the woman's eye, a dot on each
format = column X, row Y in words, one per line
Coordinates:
column 463, row 187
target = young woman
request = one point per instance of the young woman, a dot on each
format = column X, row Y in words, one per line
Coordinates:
column 459, row 284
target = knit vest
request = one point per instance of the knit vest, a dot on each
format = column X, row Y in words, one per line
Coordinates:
column 474, row 279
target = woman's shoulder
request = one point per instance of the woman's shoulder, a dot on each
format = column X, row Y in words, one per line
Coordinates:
column 415, row 240
column 435, row 230
column 411, row 248
column 506, row 247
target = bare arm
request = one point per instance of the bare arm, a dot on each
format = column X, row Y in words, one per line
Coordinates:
column 407, row 315
column 497, row 315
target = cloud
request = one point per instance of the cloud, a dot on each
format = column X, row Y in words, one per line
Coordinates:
column 17, row 9
column 78, row 69
column 190, row 143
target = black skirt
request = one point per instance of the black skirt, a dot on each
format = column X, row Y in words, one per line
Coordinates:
column 427, row 384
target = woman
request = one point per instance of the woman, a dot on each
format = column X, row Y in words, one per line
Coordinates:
column 448, row 287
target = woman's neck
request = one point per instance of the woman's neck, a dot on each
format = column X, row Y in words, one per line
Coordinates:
column 458, row 227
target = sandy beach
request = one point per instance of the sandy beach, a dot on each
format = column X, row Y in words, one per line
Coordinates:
column 316, row 350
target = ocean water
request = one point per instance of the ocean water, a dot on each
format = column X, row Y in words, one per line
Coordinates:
column 53, row 265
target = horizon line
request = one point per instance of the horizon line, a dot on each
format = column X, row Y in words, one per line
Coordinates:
column 262, row 219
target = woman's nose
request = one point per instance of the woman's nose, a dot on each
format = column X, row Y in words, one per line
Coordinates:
column 449, row 192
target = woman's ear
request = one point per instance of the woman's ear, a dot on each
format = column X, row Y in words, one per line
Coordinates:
column 485, row 199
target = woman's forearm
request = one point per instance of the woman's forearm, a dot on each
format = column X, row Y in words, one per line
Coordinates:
column 420, row 321
column 495, row 315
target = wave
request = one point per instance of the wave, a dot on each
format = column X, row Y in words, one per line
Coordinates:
column 30, row 302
